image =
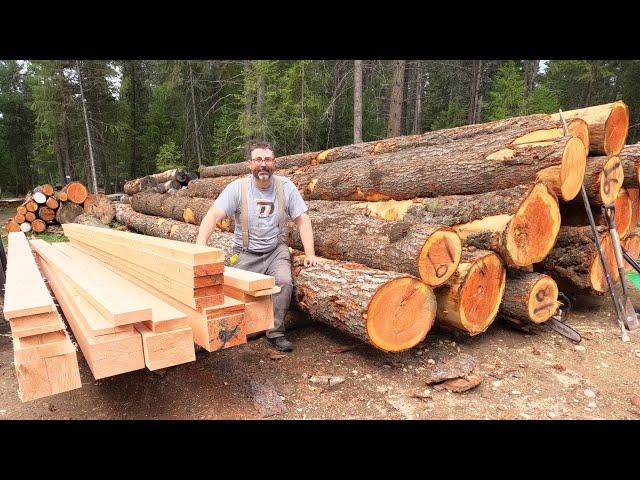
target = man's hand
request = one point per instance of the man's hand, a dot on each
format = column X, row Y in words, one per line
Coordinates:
column 310, row 261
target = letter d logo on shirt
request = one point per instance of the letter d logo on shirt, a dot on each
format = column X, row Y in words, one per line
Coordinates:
column 264, row 208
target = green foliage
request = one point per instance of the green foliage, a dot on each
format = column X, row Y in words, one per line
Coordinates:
column 168, row 157
column 541, row 100
column 453, row 116
column 506, row 98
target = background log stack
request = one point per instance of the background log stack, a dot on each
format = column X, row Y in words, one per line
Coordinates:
column 509, row 190
column 45, row 207
column 169, row 181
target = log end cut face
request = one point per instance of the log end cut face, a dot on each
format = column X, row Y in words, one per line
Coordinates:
column 624, row 213
column 616, row 129
column 76, row 192
column 597, row 278
column 579, row 128
column 482, row 293
column 632, row 245
column 572, row 169
column 611, row 179
column 543, row 300
column 439, row 257
column 533, row 230
column 400, row 314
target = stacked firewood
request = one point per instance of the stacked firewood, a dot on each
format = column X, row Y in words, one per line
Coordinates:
column 44, row 208
column 457, row 226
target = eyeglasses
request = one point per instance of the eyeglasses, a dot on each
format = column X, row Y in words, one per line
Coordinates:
column 263, row 160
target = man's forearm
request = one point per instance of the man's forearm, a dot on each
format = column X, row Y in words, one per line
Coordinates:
column 306, row 235
column 205, row 230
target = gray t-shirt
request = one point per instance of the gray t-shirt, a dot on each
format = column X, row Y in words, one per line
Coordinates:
column 263, row 212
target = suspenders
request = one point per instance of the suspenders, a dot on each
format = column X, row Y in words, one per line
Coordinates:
column 244, row 208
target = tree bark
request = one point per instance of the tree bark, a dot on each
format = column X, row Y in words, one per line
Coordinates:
column 574, row 262
column 631, row 243
column 470, row 299
column 476, row 76
column 344, row 233
column 394, row 126
column 466, row 166
column 531, row 68
column 390, row 311
column 67, row 212
column 185, row 209
column 101, row 207
column 92, row 168
column 417, row 109
column 634, row 197
column 357, row 101
column 139, row 184
column 630, row 158
column 608, row 126
column 529, row 297
column 196, row 130
column 520, row 224
column 528, row 124
column 603, row 178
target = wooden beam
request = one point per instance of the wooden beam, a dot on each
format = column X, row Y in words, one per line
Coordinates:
column 112, row 299
column 25, row 292
column 36, row 324
column 108, row 354
column 166, row 349
column 47, row 376
column 258, row 311
column 187, row 252
column 247, row 281
column 250, row 295
column 163, row 316
column 35, row 347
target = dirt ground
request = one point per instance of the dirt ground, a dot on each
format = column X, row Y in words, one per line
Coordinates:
column 534, row 375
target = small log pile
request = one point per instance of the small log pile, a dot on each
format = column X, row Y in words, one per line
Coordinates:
column 169, row 181
column 44, row 208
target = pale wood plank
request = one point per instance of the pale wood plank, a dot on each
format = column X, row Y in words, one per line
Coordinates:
column 258, row 311
column 247, row 281
column 188, row 252
column 250, row 296
column 112, row 299
column 161, row 312
column 47, row 376
column 166, row 349
column 36, row 324
column 106, row 355
column 226, row 331
column 25, row 290
column 35, row 347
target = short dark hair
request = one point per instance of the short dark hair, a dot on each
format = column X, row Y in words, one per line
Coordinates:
column 260, row 144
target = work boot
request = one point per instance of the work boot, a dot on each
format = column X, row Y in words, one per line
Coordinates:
column 281, row 344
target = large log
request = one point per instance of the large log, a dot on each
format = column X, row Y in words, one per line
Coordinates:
column 39, row 197
column 391, row 311
column 603, row 179
column 630, row 158
column 608, row 126
column 101, row 207
column 529, row 297
column 46, row 214
column 520, row 223
column 31, row 206
column 30, row 216
column 395, row 144
column 168, row 185
column 21, row 210
column 631, row 243
column 87, row 219
column 470, row 299
column 575, row 215
column 38, row 225
column 177, row 174
column 342, row 232
column 574, row 262
column 12, row 226
column 171, row 229
column 46, row 189
column 469, row 166
column 21, row 218
column 52, row 203
column 634, row 196
column 184, row 209
column 139, row 184
column 67, row 212
column 76, row 192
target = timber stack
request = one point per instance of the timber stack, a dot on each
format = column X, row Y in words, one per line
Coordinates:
column 487, row 217
column 44, row 208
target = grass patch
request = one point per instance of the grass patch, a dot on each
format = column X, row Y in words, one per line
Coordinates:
column 49, row 237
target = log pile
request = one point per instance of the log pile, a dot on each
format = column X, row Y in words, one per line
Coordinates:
column 488, row 217
column 44, row 208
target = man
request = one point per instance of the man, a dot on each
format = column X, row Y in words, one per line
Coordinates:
column 258, row 203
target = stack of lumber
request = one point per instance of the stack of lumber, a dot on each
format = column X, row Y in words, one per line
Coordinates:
column 44, row 357
column 169, row 181
column 487, row 216
column 190, row 278
column 44, row 207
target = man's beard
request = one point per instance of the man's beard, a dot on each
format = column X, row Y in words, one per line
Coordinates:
column 262, row 174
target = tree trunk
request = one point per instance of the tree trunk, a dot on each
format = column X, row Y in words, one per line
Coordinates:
column 357, row 101
column 167, row 186
column 92, row 168
column 76, row 192
column 529, row 297
column 344, row 233
column 391, row 311
column 86, row 219
column 520, row 224
column 196, row 130
column 470, row 299
column 67, row 212
column 531, row 68
column 476, row 76
column 46, row 214
column 260, row 92
column 574, row 214
column 608, row 126
column 603, row 179
column 59, row 161
column 171, row 229
column 248, row 100
column 177, row 174
column 574, row 261
column 467, row 166
column 101, row 207
column 394, row 126
column 139, row 184
column 527, row 124
column 630, row 158
column 185, row 209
